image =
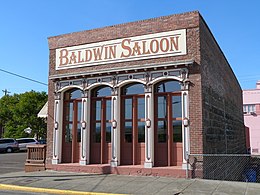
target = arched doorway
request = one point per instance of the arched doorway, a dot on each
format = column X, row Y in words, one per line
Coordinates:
column 168, row 123
column 132, row 124
column 71, row 134
column 100, row 132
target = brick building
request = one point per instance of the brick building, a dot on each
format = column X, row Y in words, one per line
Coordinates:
column 251, row 107
column 141, row 94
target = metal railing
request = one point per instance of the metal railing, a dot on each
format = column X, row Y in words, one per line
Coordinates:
column 230, row 167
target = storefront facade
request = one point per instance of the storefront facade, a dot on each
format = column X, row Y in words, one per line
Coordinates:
column 131, row 94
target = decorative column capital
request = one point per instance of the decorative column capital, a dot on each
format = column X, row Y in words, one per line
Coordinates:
column 115, row 91
column 57, row 86
column 85, row 93
column 148, row 88
column 57, row 95
column 186, row 83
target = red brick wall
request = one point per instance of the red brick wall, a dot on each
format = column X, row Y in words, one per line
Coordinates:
column 223, row 125
column 189, row 21
column 50, row 122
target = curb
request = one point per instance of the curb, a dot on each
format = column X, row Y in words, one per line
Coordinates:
column 47, row 190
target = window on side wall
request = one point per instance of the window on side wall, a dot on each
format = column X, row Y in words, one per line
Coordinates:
column 249, row 109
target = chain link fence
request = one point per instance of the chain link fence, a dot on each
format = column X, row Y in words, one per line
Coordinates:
column 229, row 167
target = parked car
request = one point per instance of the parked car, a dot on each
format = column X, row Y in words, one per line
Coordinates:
column 8, row 145
column 23, row 142
column 42, row 141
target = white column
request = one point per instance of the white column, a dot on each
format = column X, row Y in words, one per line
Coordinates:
column 115, row 128
column 57, row 129
column 185, row 127
column 84, row 149
column 149, row 128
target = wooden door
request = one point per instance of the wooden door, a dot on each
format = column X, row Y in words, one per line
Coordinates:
column 160, row 132
column 168, row 123
column 100, row 131
column 132, row 130
column 71, row 131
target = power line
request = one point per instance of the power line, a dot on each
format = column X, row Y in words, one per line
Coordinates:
column 23, row 77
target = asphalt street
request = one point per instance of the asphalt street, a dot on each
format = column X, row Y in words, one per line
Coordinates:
column 12, row 162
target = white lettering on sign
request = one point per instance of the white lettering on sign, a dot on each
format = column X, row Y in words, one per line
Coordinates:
column 171, row 43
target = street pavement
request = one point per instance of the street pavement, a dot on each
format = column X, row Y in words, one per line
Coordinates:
column 53, row 182
column 12, row 162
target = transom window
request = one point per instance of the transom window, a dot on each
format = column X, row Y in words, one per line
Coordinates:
column 73, row 94
column 168, row 86
column 132, row 89
column 101, row 91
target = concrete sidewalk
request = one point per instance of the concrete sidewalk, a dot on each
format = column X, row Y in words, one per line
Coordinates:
column 71, row 183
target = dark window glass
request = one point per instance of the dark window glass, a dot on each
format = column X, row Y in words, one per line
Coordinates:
column 79, row 110
column 128, row 132
column 128, row 108
column 69, row 111
column 108, row 132
column 141, row 132
column 133, row 89
column 8, row 141
column 108, row 109
column 79, row 132
column 162, row 108
column 68, row 133
column 98, row 110
column 176, row 106
column 98, row 133
column 141, row 108
column 168, row 86
column 162, row 131
column 177, row 131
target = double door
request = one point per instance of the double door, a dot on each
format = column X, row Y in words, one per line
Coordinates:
column 132, row 130
column 168, row 129
column 71, row 132
column 100, row 138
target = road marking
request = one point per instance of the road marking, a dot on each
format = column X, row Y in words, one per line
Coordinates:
column 46, row 190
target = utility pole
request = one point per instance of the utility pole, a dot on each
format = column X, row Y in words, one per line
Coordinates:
column 6, row 92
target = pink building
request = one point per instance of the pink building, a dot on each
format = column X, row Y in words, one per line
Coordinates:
column 251, row 106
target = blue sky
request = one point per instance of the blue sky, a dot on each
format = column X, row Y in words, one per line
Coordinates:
column 26, row 25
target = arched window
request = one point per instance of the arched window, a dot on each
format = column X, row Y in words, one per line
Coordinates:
column 132, row 89
column 73, row 94
column 167, row 86
column 102, row 91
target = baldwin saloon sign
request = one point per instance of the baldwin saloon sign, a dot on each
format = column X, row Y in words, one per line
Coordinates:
column 171, row 43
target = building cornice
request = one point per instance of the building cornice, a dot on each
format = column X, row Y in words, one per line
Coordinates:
column 118, row 69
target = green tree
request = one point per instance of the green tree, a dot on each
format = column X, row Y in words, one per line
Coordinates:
column 19, row 111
